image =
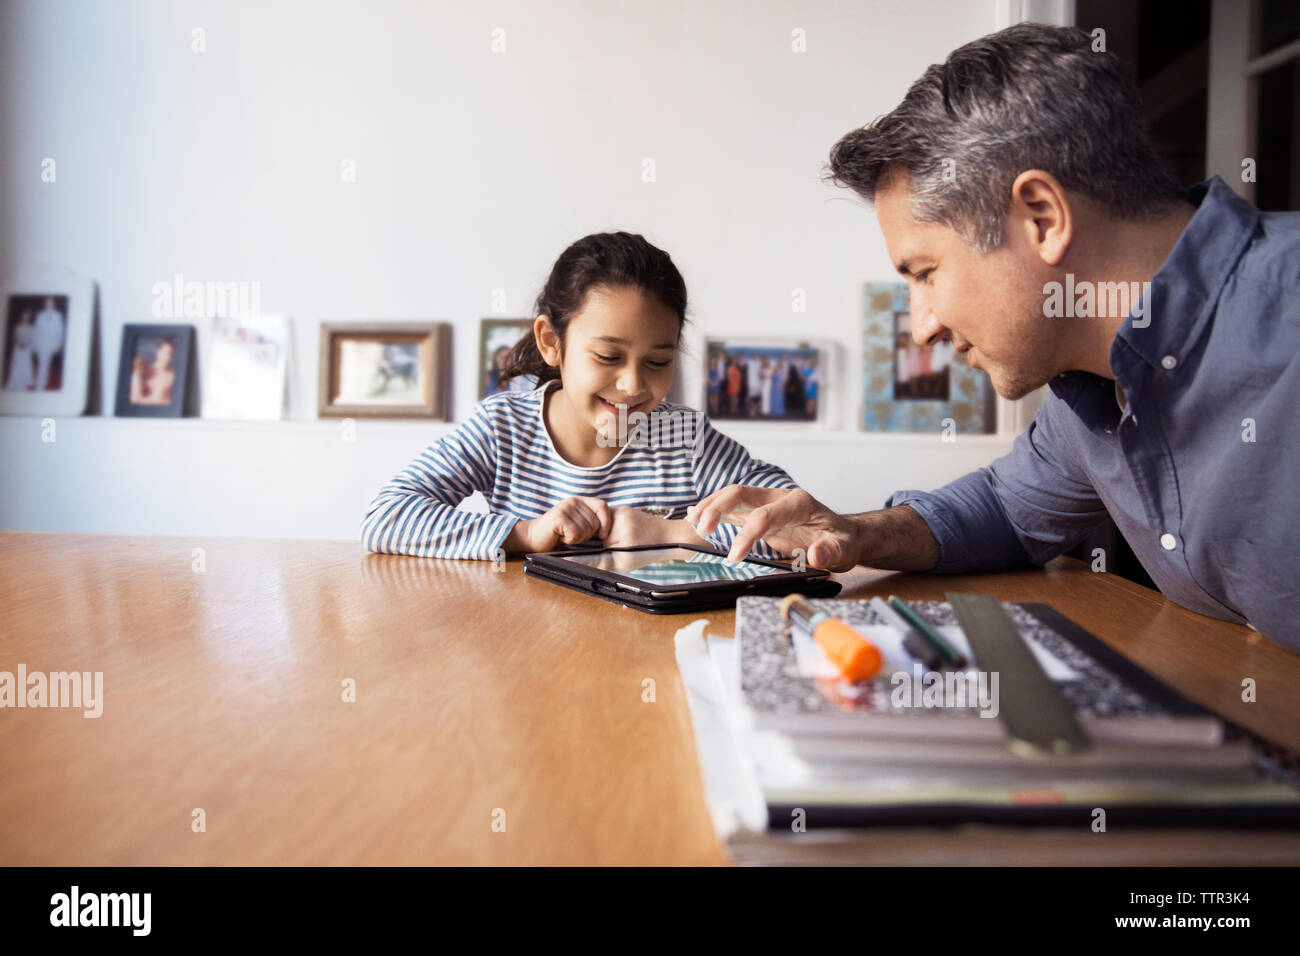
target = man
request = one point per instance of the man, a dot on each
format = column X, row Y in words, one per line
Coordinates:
column 47, row 340
column 1017, row 191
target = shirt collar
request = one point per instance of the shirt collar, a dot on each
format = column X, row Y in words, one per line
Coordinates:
column 1076, row 387
column 1185, row 289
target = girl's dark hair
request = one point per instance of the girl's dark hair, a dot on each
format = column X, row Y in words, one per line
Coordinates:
column 608, row 259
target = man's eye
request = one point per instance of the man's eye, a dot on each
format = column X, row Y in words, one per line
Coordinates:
column 923, row 275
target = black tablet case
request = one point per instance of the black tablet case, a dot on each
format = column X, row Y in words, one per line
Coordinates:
column 687, row 603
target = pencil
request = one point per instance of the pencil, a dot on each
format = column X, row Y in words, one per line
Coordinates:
column 952, row 657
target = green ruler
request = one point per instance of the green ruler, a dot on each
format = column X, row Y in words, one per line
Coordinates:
column 1037, row 716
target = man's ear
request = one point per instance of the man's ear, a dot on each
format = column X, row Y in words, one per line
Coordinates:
column 548, row 343
column 1041, row 210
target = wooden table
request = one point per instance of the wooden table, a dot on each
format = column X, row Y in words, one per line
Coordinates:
column 477, row 691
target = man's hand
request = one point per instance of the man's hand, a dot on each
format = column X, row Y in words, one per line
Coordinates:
column 895, row 538
column 787, row 519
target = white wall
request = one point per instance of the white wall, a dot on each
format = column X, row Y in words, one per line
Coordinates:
column 301, row 480
column 475, row 169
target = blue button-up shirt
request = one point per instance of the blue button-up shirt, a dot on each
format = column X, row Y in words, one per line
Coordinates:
column 1201, row 468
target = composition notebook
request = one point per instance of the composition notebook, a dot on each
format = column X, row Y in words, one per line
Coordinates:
column 1113, row 699
column 777, row 735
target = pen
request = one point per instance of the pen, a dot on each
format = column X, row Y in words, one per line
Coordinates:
column 913, row 641
column 951, row 656
column 855, row 657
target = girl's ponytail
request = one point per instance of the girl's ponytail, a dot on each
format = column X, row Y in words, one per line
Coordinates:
column 525, row 359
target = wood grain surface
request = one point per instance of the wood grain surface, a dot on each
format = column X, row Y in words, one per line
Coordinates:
column 478, row 691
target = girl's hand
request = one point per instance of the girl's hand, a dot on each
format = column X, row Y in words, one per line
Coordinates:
column 573, row 521
column 632, row 526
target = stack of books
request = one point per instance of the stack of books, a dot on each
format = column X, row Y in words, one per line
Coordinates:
column 800, row 765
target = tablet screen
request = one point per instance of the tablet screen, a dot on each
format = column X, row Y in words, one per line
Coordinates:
column 672, row 566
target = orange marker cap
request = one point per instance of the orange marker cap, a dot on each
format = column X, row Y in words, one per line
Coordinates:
column 854, row 656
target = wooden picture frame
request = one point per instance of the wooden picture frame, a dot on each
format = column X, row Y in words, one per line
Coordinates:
column 61, row 304
column 154, row 371
column 384, row 370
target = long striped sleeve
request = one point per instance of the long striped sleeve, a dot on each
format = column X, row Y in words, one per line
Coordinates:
column 416, row 512
column 723, row 461
column 505, row 452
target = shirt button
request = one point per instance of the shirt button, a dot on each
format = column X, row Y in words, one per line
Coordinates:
column 1168, row 541
column 1168, row 361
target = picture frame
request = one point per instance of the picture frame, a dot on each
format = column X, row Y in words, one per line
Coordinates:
column 910, row 388
column 49, row 353
column 154, row 373
column 247, row 368
column 773, row 381
column 495, row 336
column 384, row 370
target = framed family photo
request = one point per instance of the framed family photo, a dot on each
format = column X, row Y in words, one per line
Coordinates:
column 774, row 380
column 911, row 388
column 45, row 366
column 153, row 374
column 395, row 370
column 247, row 367
column 496, row 337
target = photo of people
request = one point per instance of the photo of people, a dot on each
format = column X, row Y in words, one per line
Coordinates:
column 153, row 372
column 35, row 334
column 374, row 372
column 247, row 365
column 496, row 338
column 920, row 373
column 763, row 382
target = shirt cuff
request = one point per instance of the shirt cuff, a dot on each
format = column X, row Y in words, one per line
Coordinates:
column 953, row 555
column 492, row 536
column 967, row 520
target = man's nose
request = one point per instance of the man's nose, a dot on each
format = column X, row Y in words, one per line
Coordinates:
column 927, row 330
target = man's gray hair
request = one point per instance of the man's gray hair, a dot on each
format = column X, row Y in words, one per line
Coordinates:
column 1028, row 97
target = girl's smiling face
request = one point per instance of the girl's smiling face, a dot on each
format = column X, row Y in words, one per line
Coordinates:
column 618, row 352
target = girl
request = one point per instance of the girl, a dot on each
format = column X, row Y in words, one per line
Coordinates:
column 557, row 464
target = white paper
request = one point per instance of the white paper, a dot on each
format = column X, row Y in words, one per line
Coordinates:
column 1053, row 666
column 731, row 789
column 813, row 662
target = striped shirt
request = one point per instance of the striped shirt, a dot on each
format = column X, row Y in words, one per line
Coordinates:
column 505, row 452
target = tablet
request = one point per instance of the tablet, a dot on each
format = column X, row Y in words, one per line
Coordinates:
column 674, row 579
